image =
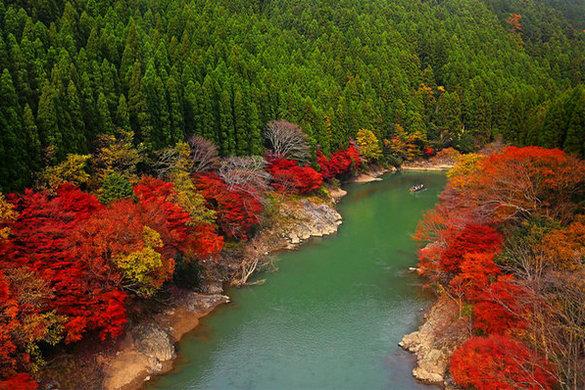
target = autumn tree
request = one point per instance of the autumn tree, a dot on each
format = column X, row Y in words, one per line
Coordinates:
column 341, row 163
column 289, row 176
column 121, row 250
column 72, row 170
column 117, row 154
column 42, row 243
column 529, row 181
column 499, row 307
column 472, row 239
column 515, row 22
column 237, row 212
column 368, row 145
column 175, row 164
column 287, row 140
column 7, row 215
column 204, row 155
column 245, row 174
column 499, row 362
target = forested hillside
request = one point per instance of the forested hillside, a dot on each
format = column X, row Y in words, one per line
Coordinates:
column 454, row 72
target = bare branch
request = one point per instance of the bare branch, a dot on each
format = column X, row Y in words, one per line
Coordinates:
column 246, row 174
column 204, row 155
column 287, row 140
column 166, row 161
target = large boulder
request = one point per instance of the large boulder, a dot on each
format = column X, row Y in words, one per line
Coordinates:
column 153, row 341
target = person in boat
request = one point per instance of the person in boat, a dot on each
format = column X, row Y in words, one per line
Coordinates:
column 417, row 187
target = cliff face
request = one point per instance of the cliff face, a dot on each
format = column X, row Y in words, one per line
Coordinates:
column 442, row 331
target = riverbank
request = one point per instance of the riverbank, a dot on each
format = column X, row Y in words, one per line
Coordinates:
column 443, row 328
column 427, row 165
column 373, row 175
column 294, row 330
column 148, row 347
column 441, row 332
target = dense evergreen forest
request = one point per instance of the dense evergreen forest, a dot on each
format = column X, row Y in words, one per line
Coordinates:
column 454, row 72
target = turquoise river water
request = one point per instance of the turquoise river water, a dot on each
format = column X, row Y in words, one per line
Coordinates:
column 332, row 315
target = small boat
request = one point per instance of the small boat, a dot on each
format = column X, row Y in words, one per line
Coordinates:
column 417, row 188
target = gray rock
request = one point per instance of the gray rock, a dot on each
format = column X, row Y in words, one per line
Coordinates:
column 310, row 220
column 154, row 342
column 196, row 302
column 431, row 368
column 213, row 288
column 436, row 339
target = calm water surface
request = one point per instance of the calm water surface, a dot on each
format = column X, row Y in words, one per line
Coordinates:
column 331, row 317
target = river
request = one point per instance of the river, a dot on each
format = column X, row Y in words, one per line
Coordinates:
column 333, row 313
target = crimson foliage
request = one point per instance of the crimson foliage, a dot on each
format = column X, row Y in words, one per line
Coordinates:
column 340, row 163
column 499, row 307
column 287, row 175
column 238, row 212
column 19, row 382
column 41, row 242
column 499, row 363
column 472, row 239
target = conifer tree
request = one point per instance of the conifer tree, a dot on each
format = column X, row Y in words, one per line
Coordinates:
column 77, row 141
column 48, row 123
column 14, row 170
column 106, row 126
column 122, row 114
column 32, row 139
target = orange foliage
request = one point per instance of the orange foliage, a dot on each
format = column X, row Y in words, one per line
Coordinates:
column 515, row 22
column 500, row 309
column 527, row 181
column 477, row 270
column 499, row 363
column 565, row 247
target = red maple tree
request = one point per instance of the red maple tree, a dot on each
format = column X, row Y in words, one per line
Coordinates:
column 288, row 176
column 472, row 239
column 499, row 363
column 340, row 163
column 41, row 243
column 238, row 212
column 499, row 308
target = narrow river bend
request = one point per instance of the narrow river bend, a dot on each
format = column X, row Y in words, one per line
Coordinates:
column 331, row 317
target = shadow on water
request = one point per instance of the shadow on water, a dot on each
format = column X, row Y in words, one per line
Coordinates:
column 331, row 317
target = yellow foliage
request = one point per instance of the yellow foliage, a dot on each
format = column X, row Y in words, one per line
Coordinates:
column 145, row 270
column 368, row 145
column 7, row 214
column 71, row 170
column 466, row 165
column 151, row 238
column 187, row 195
column 425, row 89
column 116, row 153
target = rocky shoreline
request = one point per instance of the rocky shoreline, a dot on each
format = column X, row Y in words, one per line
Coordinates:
column 149, row 349
column 442, row 331
column 443, row 328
